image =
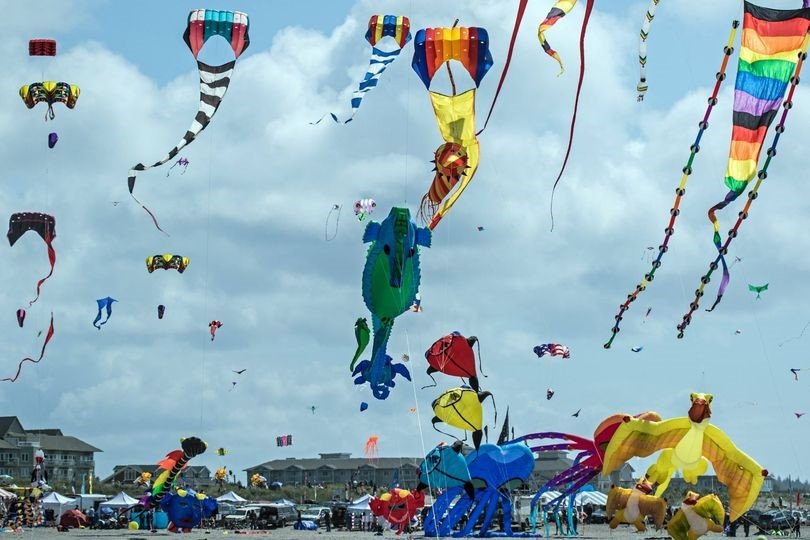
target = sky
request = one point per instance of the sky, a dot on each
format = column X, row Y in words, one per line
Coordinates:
column 251, row 209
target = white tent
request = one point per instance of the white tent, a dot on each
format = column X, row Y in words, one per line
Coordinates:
column 6, row 494
column 596, row 498
column 360, row 505
column 58, row 503
column 231, row 497
column 122, row 500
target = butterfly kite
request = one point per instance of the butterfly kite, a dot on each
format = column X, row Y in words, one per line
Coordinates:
column 214, row 80
column 103, row 303
column 398, row 28
column 758, row 289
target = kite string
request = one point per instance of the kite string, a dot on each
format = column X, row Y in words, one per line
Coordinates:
column 752, row 194
column 680, row 191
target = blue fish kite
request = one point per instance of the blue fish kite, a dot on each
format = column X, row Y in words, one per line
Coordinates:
column 103, row 303
column 390, row 283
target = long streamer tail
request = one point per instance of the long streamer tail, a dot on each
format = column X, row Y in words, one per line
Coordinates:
column 48, row 337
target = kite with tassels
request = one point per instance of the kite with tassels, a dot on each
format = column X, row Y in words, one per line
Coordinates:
column 642, row 86
column 457, row 158
column 214, row 80
column 42, row 224
column 398, row 28
column 773, row 48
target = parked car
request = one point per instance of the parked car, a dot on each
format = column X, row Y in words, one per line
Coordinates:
column 775, row 520
column 316, row 514
column 274, row 516
column 598, row 516
column 238, row 519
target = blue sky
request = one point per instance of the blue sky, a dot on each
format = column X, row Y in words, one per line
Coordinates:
column 250, row 214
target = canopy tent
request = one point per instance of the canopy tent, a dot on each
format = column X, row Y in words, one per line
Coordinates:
column 231, row 497
column 582, row 498
column 284, row 502
column 56, row 502
column 122, row 500
column 360, row 505
column 6, row 495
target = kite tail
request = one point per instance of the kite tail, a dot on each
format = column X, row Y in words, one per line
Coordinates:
column 642, row 48
column 48, row 337
column 730, row 197
column 51, row 260
column 151, row 215
column 518, row 19
column 480, row 368
column 191, row 448
column 588, row 9
column 680, row 191
column 752, row 194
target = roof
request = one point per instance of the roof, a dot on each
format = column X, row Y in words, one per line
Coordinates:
column 313, row 464
column 48, row 431
column 7, row 422
column 65, row 443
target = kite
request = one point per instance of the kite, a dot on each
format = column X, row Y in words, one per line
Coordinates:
column 737, row 332
column 417, row 304
column 757, row 289
column 457, row 158
column 174, row 462
column 20, row 317
column 53, row 138
column 45, row 226
column 214, row 80
column 363, row 335
column 795, row 372
column 480, row 229
column 222, row 451
column 697, row 516
column 144, row 479
column 337, row 223
column 363, row 406
column 220, row 474
column 42, row 47
column 637, row 349
column 549, row 394
column 445, row 467
column 642, row 48
column 398, row 507
column 398, row 28
column 103, row 303
column 284, row 440
column 689, row 443
column 391, row 279
column 50, row 92
column 161, row 309
column 257, row 480
column 167, row 261
column 588, row 461
column 406, row 358
column 186, row 508
column 364, row 207
column 370, row 449
column 553, row 349
column 453, row 355
column 646, row 314
column 213, row 326
column 799, row 415
column 233, row 385
column 183, row 162
column 312, row 408
column 461, row 408
column 633, row 506
column 559, row 10
column 39, row 475
column 774, row 46
column 239, row 371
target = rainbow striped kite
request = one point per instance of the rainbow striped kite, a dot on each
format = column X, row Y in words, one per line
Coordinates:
column 772, row 40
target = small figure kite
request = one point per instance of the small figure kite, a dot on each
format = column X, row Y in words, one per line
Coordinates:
column 637, row 349
column 312, row 408
column 53, row 138
column 549, row 393
column 737, row 332
column 363, row 406
column 222, row 451
column 213, row 326
column 417, row 304
column 284, row 440
column 161, row 309
column 102, row 304
column 799, row 415
column 406, row 358
column 363, row 208
column 647, row 314
column 795, row 372
column 363, row 335
column 553, row 349
column 20, row 317
column 167, row 261
column 370, row 449
column 576, row 414
column 757, row 289
column 233, row 385
column 480, row 229
column 183, row 162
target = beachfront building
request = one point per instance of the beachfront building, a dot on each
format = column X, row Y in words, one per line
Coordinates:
column 339, row 468
column 68, row 460
column 193, row 476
